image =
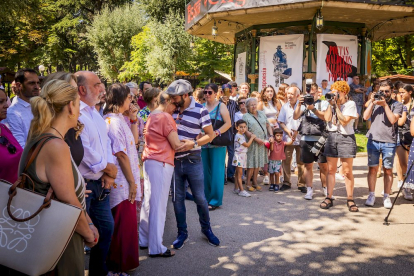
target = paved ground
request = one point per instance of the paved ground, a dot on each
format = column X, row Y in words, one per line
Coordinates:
column 283, row 234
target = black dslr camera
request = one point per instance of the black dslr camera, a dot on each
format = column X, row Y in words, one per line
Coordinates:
column 378, row 96
column 308, row 99
column 331, row 96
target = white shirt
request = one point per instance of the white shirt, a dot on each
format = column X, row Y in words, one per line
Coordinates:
column 347, row 109
column 96, row 144
column 286, row 117
column 238, row 116
column 235, row 98
column 19, row 117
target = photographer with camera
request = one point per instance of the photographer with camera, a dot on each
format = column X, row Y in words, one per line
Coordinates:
column 382, row 139
column 313, row 132
column 340, row 143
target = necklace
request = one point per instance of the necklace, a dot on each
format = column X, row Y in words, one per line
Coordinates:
column 58, row 132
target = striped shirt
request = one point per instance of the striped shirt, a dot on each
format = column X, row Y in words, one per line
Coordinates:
column 193, row 120
column 233, row 108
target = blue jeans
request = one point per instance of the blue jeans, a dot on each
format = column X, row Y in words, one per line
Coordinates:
column 100, row 213
column 375, row 149
column 189, row 168
column 230, row 168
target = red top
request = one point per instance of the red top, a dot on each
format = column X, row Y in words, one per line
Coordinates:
column 9, row 162
column 157, row 147
column 141, row 103
column 278, row 152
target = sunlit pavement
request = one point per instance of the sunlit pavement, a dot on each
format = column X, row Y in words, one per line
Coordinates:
column 259, row 235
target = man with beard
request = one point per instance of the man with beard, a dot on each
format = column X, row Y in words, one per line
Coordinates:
column 102, row 100
column 382, row 139
column 97, row 167
column 19, row 114
column 191, row 119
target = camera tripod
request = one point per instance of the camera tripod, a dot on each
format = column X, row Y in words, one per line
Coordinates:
column 399, row 191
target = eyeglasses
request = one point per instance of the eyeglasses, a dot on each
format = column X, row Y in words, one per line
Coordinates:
column 242, row 103
column 178, row 120
column 5, row 142
column 208, row 92
column 384, row 91
column 104, row 194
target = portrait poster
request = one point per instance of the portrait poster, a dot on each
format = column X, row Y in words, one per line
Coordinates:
column 281, row 60
column 240, row 70
column 337, row 58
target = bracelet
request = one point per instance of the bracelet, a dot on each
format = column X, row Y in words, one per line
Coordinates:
column 133, row 121
column 219, row 133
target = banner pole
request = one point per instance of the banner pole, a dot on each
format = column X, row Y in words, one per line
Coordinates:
column 312, row 30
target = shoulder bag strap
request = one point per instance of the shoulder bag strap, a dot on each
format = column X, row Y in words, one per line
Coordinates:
column 259, row 123
column 34, row 151
column 215, row 118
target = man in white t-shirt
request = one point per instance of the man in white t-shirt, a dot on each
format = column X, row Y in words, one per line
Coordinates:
column 290, row 127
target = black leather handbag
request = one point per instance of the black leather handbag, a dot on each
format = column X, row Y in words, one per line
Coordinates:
column 226, row 138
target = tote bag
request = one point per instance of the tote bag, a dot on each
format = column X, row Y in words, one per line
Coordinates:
column 34, row 229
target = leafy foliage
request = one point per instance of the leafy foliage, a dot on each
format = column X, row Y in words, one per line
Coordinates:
column 110, row 35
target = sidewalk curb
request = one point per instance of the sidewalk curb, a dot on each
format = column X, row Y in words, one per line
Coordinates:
column 361, row 154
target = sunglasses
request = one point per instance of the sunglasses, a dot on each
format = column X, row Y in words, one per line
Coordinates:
column 104, row 194
column 5, row 142
column 242, row 103
column 178, row 120
column 208, row 92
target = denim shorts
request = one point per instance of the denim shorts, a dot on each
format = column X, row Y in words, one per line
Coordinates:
column 340, row 146
column 375, row 149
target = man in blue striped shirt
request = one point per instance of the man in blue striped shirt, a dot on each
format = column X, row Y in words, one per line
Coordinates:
column 192, row 119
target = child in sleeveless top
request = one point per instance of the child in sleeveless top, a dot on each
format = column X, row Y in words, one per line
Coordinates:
column 240, row 156
column 277, row 154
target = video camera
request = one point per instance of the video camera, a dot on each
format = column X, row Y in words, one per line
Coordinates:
column 378, row 96
column 308, row 99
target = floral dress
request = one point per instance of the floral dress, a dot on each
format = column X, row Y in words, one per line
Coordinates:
column 256, row 155
column 123, row 140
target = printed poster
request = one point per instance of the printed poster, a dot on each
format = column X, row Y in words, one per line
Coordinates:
column 240, row 69
column 281, row 60
column 337, row 58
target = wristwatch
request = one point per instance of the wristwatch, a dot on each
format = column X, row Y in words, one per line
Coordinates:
column 195, row 144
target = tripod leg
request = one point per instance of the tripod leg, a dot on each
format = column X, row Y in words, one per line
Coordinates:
column 399, row 191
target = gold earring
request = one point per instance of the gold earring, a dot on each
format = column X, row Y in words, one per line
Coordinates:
column 71, row 116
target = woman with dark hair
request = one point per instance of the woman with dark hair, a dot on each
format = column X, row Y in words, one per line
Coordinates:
column 214, row 156
column 123, row 253
column 404, row 139
column 10, row 149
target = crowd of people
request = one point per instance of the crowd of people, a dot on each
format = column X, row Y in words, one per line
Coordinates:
column 118, row 152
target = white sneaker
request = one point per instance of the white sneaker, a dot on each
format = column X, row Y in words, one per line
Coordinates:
column 266, row 180
column 236, row 191
column 407, row 194
column 400, row 182
column 244, row 194
column 309, row 194
column 339, row 177
column 387, row 202
column 370, row 200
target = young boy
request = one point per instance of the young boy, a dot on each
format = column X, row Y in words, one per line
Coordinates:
column 240, row 156
column 277, row 154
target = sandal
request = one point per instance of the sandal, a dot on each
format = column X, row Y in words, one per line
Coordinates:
column 258, row 188
column 250, row 188
column 352, row 206
column 166, row 254
column 326, row 205
column 212, row 208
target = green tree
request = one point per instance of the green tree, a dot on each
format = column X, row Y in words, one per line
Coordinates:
column 110, row 35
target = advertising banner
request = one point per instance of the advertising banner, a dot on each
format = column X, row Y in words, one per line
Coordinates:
column 281, row 60
column 337, row 58
column 240, row 70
